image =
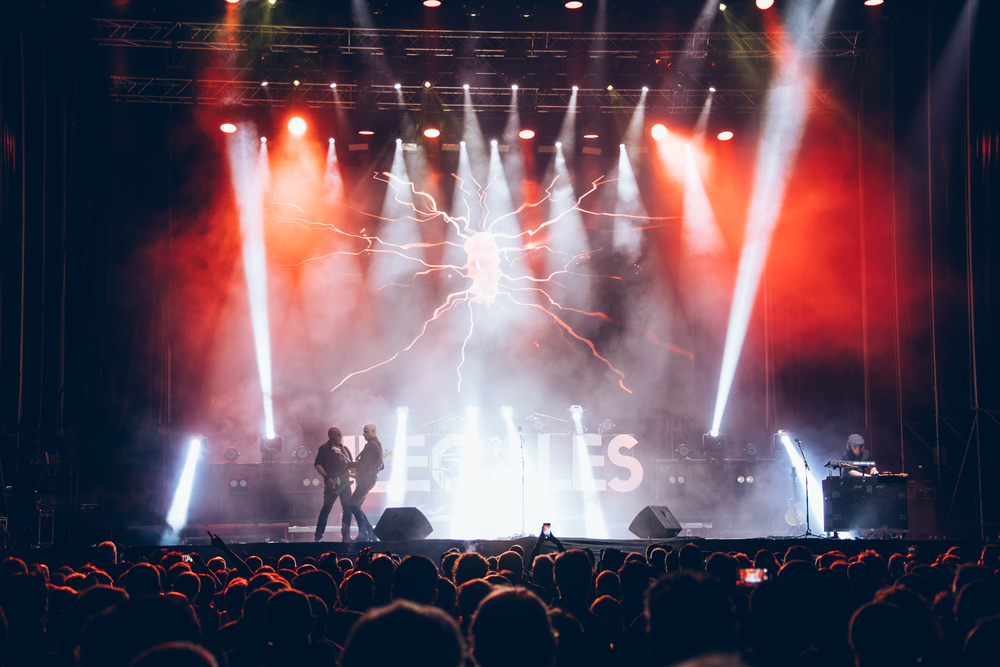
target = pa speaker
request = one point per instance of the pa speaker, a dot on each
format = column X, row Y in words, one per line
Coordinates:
column 654, row 521
column 400, row 524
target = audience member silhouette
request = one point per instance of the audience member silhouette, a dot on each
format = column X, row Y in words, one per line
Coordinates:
column 512, row 627
column 415, row 580
column 404, row 633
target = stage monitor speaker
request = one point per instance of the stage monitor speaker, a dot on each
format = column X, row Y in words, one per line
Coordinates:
column 654, row 521
column 401, row 524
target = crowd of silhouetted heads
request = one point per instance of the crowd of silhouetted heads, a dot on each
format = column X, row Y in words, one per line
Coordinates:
column 572, row 608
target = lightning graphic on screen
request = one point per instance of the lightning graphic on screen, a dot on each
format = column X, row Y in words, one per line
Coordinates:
column 493, row 269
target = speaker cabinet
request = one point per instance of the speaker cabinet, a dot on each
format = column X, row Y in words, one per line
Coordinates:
column 401, row 524
column 654, row 522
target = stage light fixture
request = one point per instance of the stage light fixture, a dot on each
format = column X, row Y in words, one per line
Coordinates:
column 270, row 449
column 576, row 88
column 749, row 479
column 231, row 454
column 659, row 131
column 297, row 126
column 526, row 134
column 514, row 87
column 427, row 84
column 722, row 7
column 432, row 3
column 233, row 483
column 873, row 3
column 684, row 452
column 752, row 452
column 228, row 128
column 493, row 142
column 263, row 140
column 610, row 88
column 507, row 411
column 397, row 86
column 711, row 89
column 576, row 410
column 741, row 479
column 232, row 2
column 605, row 427
column 302, row 453
column 333, row 84
column 725, row 135
column 765, row 4
column 573, row 4
column 590, row 136
column 272, row 2
column 366, row 133
column 432, row 133
column 713, row 444
column 177, row 516
column 296, row 83
column 465, row 86
column 645, row 89
column 263, row 84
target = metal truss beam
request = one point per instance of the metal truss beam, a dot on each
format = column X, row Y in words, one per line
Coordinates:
column 412, row 98
column 221, row 37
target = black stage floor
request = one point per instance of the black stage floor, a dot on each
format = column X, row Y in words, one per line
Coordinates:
column 433, row 548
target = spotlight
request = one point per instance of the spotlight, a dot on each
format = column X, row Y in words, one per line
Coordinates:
column 590, row 136
column 432, row 133
column 576, row 88
column 231, row 454
column 514, row 87
column 873, row 3
column 659, row 131
column 333, row 85
column 526, row 134
column 228, row 128
column 302, row 453
column 753, row 454
column 493, row 142
column 741, row 479
column 722, row 7
column 461, row 143
column 725, row 135
column 645, row 89
column 297, row 126
column 712, row 444
column 605, row 427
column 749, row 479
column 711, row 89
column 684, row 452
column 232, row 2
column 575, row 410
column 573, row 4
column 263, row 140
column 366, row 133
column 432, row 3
column 331, row 140
column 558, row 144
column 271, row 2
column 427, row 84
column 270, row 448
column 177, row 516
column 296, row 83
column 397, row 86
column 610, row 88
column 764, row 4
column 465, row 86
column 263, row 84
column 507, row 411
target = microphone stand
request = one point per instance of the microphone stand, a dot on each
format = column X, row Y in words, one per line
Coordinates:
column 805, row 464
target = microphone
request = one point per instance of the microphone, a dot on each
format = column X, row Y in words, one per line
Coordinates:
column 798, row 441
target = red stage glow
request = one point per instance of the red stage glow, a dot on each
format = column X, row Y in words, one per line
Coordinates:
column 526, row 134
column 659, row 131
column 725, row 136
column 297, row 126
column 432, row 133
column 228, row 128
